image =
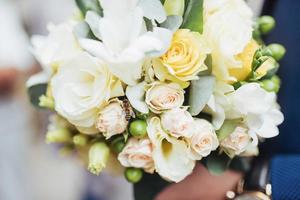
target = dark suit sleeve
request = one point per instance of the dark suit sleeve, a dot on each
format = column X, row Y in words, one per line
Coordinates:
column 285, row 177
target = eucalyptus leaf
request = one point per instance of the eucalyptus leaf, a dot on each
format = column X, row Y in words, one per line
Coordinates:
column 217, row 163
column 87, row 5
column 193, row 16
column 153, row 10
column 173, row 22
column 199, row 93
column 227, row 128
column 35, row 92
column 208, row 63
column 174, row 7
column 149, row 187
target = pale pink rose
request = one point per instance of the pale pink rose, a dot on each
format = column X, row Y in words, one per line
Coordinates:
column 237, row 142
column 161, row 96
column 204, row 139
column 178, row 123
column 112, row 120
column 137, row 153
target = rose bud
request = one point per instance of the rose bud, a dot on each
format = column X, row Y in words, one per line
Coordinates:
column 112, row 119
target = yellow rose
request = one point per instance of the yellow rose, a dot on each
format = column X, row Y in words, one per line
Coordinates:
column 184, row 59
column 246, row 57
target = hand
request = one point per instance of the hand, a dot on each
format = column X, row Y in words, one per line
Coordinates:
column 8, row 78
column 201, row 185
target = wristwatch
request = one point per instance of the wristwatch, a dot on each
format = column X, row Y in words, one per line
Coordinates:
column 255, row 185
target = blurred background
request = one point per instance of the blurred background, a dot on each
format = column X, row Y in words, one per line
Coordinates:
column 29, row 168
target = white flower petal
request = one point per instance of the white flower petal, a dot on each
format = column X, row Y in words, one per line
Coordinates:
column 136, row 97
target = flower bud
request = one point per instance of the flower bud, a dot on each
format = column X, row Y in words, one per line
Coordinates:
column 118, row 144
column 266, row 24
column 278, row 51
column 268, row 65
column 98, row 157
column 80, row 140
column 138, row 128
column 46, row 102
column 61, row 135
column 133, row 175
column 271, row 85
column 112, row 119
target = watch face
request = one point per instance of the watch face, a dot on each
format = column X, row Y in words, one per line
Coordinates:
column 253, row 196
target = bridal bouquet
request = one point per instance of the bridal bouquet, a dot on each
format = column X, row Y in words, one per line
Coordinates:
column 154, row 86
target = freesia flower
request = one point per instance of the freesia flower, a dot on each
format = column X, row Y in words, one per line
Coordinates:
column 81, row 87
column 125, row 43
column 204, row 139
column 112, row 119
column 137, row 153
column 170, row 155
column 162, row 96
column 257, row 107
column 53, row 50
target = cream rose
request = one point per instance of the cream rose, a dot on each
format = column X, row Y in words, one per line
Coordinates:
column 178, row 122
column 112, row 119
column 184, row 59
column 138, row 154
column 161, row 96
column 170, row 155
column 228, row 30
column 237, row 142
column 80, row 88
column 204, row 139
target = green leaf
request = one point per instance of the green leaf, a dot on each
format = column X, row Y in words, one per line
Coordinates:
column 172, row 23
column 149, row 187
column 193, row 16
column 217, row 163
column 174, row 7
column 35, row 92
column 227, row 128
column 208, row 63
column 199, row 93
column 149, row 24
column 87, row 5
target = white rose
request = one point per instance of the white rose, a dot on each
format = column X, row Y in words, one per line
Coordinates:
column 162, row 96
column 204, row 139
column 138, row 154
column 237, row 142
column 80, row 88
column 112, row 119
column 178, row 122
column 170, row 155
column 228, row 29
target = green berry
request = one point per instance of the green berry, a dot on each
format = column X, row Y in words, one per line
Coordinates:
column 271, row 85
column 266, row 24
column 278, row 51
column 118, row 144
column 133, row 175
column 138, row 128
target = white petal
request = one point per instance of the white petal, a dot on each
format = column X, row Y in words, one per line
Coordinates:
column 93, row 19
column 171, row 156
column 136, row 96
